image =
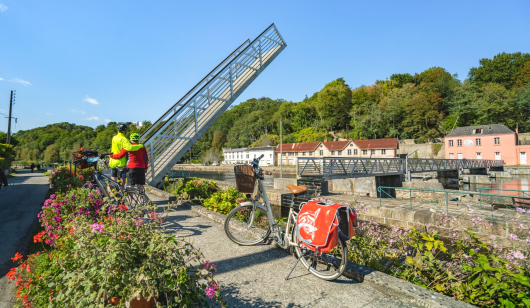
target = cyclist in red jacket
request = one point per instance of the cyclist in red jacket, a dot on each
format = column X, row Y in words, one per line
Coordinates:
column 137, row 162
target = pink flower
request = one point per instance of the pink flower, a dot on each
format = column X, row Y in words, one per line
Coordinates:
column 513, row 237
column 96, row 227
column 518, row 255
column 520, row 210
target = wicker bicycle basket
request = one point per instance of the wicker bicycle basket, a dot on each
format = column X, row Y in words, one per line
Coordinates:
column 245, row 179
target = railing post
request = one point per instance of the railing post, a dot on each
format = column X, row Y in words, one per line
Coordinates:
column 491, row 201
column 410, row 198
column 447, row 203
column 259, row 49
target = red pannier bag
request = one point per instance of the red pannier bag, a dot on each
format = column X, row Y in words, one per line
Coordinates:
column 318, row 223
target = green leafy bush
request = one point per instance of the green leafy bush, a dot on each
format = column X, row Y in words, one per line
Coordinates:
column 7, row 155
column 451, row 261
column 224, row 201
column 192, row 188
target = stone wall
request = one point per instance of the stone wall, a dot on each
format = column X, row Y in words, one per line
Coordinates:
column 406, row 146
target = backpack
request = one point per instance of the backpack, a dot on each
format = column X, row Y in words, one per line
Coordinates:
column 318, row 224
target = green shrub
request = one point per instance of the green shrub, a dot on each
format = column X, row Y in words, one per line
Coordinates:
column 7, row 154
column 436, row 147
column 224, row 201
column 192, row 188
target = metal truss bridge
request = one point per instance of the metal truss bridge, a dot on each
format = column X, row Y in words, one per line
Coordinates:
column 351, row 167
column 171, row 136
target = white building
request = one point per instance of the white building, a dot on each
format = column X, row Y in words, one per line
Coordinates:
column 246, row 155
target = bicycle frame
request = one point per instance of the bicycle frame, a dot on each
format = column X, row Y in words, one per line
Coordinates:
column 284, row 240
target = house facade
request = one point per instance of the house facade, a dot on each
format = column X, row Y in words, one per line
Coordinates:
column 374, row 148
column 246, row 155
column 490, row 142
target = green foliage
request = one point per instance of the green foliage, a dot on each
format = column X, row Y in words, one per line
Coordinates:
column 224, row 201
column 192, row 188
column 7, row 155
column 503, row 69
column 312, row 134
column 436, row 147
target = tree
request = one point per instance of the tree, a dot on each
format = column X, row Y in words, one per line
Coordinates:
column 51, row 154
column 219, row 139
column 521, row 80
column 211, row 156
column 402, row 79
column 502, row 69
column 424, row 116
column 333, row 104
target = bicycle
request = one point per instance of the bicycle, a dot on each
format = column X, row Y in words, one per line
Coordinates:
column 252, row 223
column 112, row 190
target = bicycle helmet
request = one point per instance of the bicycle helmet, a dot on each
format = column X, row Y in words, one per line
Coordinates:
column 122, row 128
column 135, row 137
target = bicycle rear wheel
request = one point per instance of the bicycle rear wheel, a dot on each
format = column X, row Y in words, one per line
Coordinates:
column 327, row 266
column 137, row 198
column 246, row 225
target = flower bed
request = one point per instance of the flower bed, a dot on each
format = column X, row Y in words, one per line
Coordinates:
column 449, row 258
column 95, row 253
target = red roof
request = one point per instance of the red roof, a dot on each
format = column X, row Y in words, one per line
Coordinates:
column 298, row 147
column 336, row 145
column 388, row 143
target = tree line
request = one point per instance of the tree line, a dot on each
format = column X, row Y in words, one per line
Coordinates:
column 424, row 106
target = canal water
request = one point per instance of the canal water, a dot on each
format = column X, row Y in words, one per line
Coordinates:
column 225, row 176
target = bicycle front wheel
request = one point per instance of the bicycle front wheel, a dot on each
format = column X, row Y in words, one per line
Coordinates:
column 327, row 266
column 247, row 225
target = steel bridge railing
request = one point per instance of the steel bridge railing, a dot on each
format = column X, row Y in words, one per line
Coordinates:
column 171, row 136
column 491, row 206
column 345, row 167
column 524, row 195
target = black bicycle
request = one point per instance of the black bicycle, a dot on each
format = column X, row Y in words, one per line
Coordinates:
column 112, row 190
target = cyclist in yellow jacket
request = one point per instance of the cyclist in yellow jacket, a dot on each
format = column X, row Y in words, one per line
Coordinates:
column 120, row 142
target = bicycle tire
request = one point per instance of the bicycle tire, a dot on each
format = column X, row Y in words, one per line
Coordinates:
column 247, row 235
column 337, row 259
column 86, row 186
column 137, row 197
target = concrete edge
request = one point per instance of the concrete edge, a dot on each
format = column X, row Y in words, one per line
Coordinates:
column 160, row 193
column 404, row 290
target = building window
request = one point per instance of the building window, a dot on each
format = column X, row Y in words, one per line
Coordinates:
column 295, row 153
column 477, row 141
column 477, row 131
column 303, row 153
column 497, row 140
column 372, row 152
column 383, row 151
column 349, row 152
column 284, row 154
column 479, row 155
column 451, row 156
column 459, row 142
column 291, row 154
column 355, row 152
column 321, row 152
column 271, row 156
column 460, row 156
column 310, row 153
column 365, row 152
column 497, row 155
column 247, row 155
column 332, row 152
column 450, row 143
column 339, row 152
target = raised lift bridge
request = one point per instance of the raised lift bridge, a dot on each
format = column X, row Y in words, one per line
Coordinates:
column 171, row 136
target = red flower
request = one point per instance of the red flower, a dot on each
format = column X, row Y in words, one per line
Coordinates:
column 17, row 257
column 122, row 207
column 11, row 274
column 38, row 237
column 71, row 230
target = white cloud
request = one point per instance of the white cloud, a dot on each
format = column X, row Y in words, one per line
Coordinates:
column 83, row 112
column 91, row 100
column 1, row 79
column 21, row 81
column 107, row 120
column 3, row 7
column 78, row 111
column 91, row 118
column 47, row 113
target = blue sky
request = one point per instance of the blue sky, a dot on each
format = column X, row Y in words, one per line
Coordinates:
column 86, row 62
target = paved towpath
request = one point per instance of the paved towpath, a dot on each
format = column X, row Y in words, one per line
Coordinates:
column 19, row 206
column 255, row 276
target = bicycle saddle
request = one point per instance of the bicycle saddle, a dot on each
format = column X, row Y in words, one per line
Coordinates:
column 296, row 190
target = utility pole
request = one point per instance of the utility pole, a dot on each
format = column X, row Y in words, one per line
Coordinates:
column 9, row 118
column 281, row 151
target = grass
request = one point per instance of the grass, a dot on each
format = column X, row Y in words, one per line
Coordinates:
column 11, row 174
column 46, row 172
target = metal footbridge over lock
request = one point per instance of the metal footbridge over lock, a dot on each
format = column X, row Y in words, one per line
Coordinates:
column 341, row 167
column 171, row 136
